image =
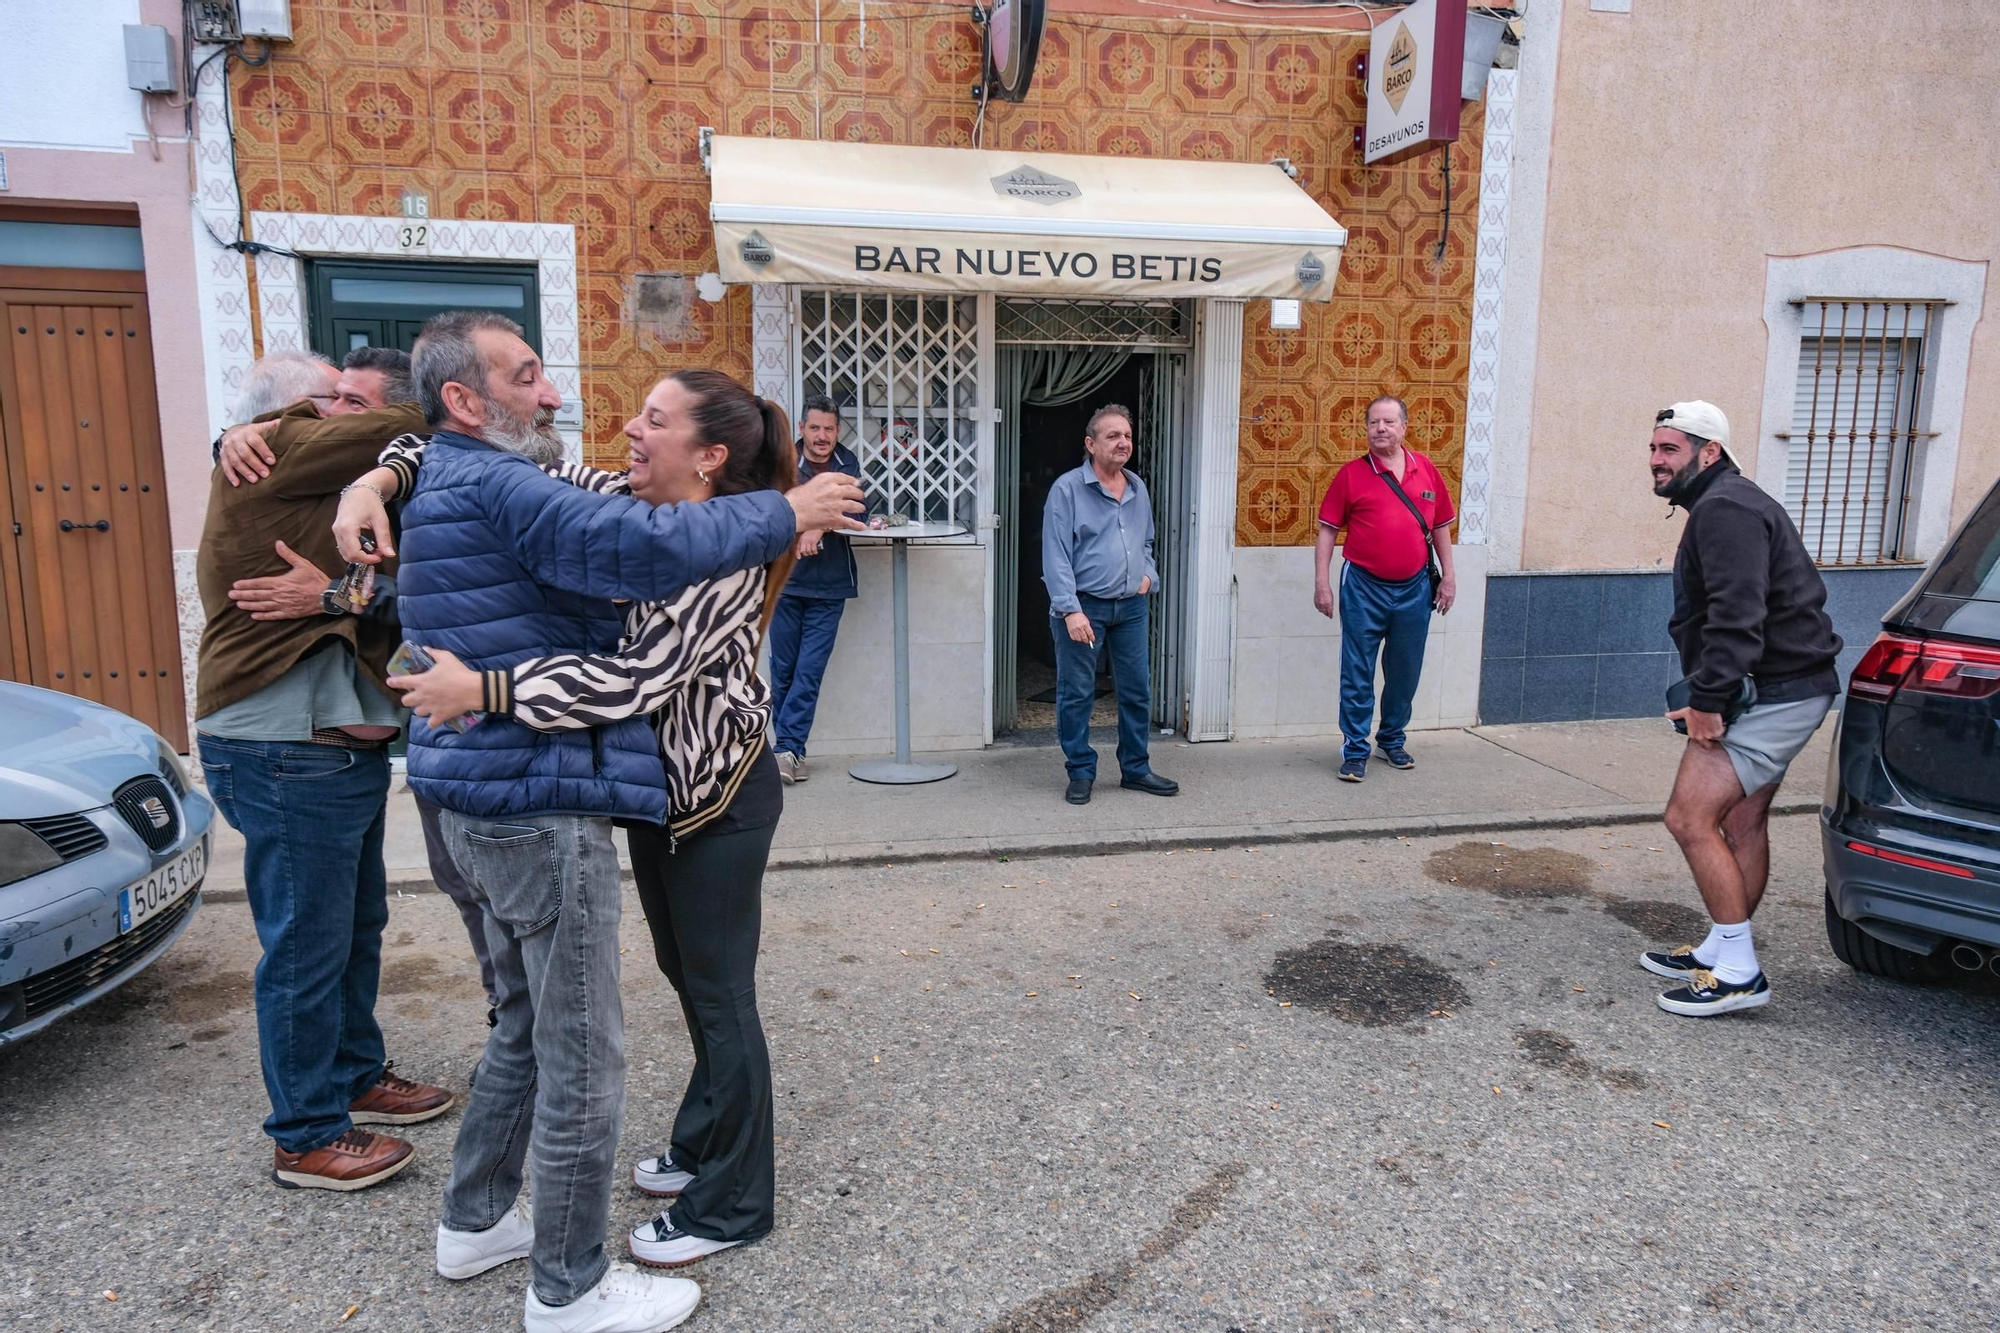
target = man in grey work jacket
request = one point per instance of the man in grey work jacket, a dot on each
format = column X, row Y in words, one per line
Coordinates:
column 1097, row 560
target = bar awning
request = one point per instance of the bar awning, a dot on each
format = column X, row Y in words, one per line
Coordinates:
column 1049, row 224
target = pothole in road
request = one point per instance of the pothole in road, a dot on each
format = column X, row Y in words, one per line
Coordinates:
column 1376, row 985
column 1511, row 872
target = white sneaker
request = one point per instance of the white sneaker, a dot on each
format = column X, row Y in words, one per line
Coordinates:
column 659, row 1177
column 464, row 1254
column 791, row 768
column 663, row 1245
column 623, row 1301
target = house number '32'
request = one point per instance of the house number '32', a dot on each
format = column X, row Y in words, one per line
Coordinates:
column 413, row 236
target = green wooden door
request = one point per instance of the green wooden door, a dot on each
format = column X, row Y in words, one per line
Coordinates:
column 384, row 302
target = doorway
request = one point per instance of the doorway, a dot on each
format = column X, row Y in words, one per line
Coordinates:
column 384, row 303
column 86, row 583
column 1057, row 362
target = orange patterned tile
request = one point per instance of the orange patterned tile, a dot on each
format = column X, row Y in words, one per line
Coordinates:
column 382, row 32
column 1206, row 75
column 379, row 118
column 581, row 128
column 472, row 34
column 482, row 120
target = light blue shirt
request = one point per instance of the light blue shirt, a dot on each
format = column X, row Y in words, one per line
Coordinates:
column 323, row 689
column 1093, row 544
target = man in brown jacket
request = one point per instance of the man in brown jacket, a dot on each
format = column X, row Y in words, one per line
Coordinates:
column 294, row 725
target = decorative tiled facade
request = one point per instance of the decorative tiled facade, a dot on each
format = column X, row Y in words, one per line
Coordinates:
column 586, row 112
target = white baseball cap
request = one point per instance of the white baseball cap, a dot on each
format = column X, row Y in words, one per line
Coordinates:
column 1700, row 419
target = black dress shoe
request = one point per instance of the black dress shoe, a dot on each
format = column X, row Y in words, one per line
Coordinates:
column 1153, row 785
column 1078, row 792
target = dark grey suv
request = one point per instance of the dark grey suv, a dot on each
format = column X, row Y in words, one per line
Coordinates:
column 1911, row 821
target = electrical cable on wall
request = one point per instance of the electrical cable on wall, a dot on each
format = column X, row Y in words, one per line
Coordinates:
column 1444, row 231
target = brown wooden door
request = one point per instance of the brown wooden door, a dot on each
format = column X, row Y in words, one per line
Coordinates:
column 86, row 564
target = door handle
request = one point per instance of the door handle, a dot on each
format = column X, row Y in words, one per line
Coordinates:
column 102, row 525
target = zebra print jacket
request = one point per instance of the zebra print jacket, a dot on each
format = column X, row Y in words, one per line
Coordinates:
column 689, row 664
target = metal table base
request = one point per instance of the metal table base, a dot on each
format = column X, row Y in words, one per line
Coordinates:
column 901, row 771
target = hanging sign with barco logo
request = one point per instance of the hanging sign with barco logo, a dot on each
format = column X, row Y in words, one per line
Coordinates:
column 1415, row 57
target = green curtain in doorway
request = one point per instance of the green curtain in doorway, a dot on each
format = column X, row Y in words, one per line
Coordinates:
column 1048, row 376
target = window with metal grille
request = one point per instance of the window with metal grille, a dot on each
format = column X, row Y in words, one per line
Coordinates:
column 1856, row 408
column 904, row 371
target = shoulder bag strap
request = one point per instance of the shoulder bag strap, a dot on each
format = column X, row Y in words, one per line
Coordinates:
column 1396, row 486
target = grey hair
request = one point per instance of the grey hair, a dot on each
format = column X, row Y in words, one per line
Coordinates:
column 1381, row 398
column 819, row 402
column 447, row 354
column 392, row 364
column 278, row 380
column 1108, row 410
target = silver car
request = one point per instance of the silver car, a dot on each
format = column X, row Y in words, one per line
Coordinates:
column 103, row 847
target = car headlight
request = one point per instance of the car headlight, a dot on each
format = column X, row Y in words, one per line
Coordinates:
column 23, row 854
column 172, row 771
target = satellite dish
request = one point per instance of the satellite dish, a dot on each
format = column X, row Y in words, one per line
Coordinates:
column 1013, row 41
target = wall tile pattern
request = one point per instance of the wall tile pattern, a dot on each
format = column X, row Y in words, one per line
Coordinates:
column 585, row 112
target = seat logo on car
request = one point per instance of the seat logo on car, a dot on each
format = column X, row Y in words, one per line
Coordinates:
column 156, row 810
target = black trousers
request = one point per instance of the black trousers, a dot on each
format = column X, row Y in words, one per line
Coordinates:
column 704, row 904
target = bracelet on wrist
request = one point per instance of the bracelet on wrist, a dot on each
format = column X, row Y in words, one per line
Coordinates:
column 364, row 486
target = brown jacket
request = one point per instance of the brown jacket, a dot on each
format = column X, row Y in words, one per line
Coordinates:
column 296, row 505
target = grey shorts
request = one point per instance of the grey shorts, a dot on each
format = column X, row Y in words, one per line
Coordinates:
column 1763, row 742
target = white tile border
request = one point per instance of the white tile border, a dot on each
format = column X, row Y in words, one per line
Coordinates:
column 1488, row 288
column 550, row 246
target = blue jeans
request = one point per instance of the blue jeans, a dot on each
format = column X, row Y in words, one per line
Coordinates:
column 1120, row 625
column 1392, row 619
column 552, row 1080
column 802, row 630
column 311, row 817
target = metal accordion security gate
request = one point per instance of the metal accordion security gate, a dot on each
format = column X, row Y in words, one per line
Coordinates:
column 1162, row 332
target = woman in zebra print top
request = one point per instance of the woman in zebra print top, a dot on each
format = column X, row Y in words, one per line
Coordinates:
column 691, row 664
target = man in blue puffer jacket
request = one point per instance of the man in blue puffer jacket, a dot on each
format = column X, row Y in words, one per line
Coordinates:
column 501, row 562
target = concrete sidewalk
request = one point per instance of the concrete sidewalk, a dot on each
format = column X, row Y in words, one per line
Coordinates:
column 1007, row 800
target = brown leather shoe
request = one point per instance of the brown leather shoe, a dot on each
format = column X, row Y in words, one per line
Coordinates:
column 354, row 1161
column 398, row 1101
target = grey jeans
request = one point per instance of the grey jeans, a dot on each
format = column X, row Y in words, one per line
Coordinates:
column 471, row 910
column 551, row 1086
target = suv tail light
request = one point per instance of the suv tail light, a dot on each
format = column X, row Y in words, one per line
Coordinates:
column 1883, row 666
column 1956, row 670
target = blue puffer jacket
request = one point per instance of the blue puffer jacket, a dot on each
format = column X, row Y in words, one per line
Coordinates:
column 502, row 562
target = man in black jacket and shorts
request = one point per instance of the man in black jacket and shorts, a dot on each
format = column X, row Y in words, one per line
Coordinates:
column 1758, row 651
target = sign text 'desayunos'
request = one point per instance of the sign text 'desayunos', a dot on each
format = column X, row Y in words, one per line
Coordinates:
column 985, row 262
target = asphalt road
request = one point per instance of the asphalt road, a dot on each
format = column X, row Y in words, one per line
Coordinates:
column 1358, row 1086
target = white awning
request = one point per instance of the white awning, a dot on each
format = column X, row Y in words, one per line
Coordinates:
column 1049, row 224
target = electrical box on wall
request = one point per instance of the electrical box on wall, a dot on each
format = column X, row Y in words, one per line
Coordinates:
column 149, row 59
column 214, row 21
column 269, row 19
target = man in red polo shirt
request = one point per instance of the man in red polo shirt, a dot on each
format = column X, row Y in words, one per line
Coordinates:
column 1393, row 504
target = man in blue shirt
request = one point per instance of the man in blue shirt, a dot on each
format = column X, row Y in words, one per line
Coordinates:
column 1097, row 560
column 810, row 607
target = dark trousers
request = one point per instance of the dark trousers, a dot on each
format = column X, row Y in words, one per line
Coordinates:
column 802, row 632
column 704, row 903
column 1392, row 620
column 471, row 910
column 312, row 820
column 1120, row 626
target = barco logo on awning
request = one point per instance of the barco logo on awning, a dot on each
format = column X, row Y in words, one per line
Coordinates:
column 1026, row 182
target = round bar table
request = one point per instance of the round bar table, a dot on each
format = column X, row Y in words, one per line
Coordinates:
column 901, row 770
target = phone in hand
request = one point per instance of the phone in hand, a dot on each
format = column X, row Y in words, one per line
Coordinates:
column 410, row 659
column 357, row 587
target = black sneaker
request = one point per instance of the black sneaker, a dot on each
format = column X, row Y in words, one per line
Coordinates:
column 661, row 1244
column 1707, row 994
column 1396, row 756
column 1677, row 963
column 1078, row 791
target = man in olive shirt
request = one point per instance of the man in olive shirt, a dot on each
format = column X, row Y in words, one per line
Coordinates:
column 294, row 724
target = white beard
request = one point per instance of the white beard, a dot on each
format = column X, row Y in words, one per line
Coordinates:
column 536, row 440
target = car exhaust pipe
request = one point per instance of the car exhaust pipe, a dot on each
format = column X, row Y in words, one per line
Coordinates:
column 1970, row 957
column 1993, row 963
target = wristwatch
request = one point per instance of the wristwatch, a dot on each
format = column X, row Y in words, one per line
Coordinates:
column 330, row 600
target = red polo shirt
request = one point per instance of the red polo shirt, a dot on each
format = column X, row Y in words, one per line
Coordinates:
column 1382, row 538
